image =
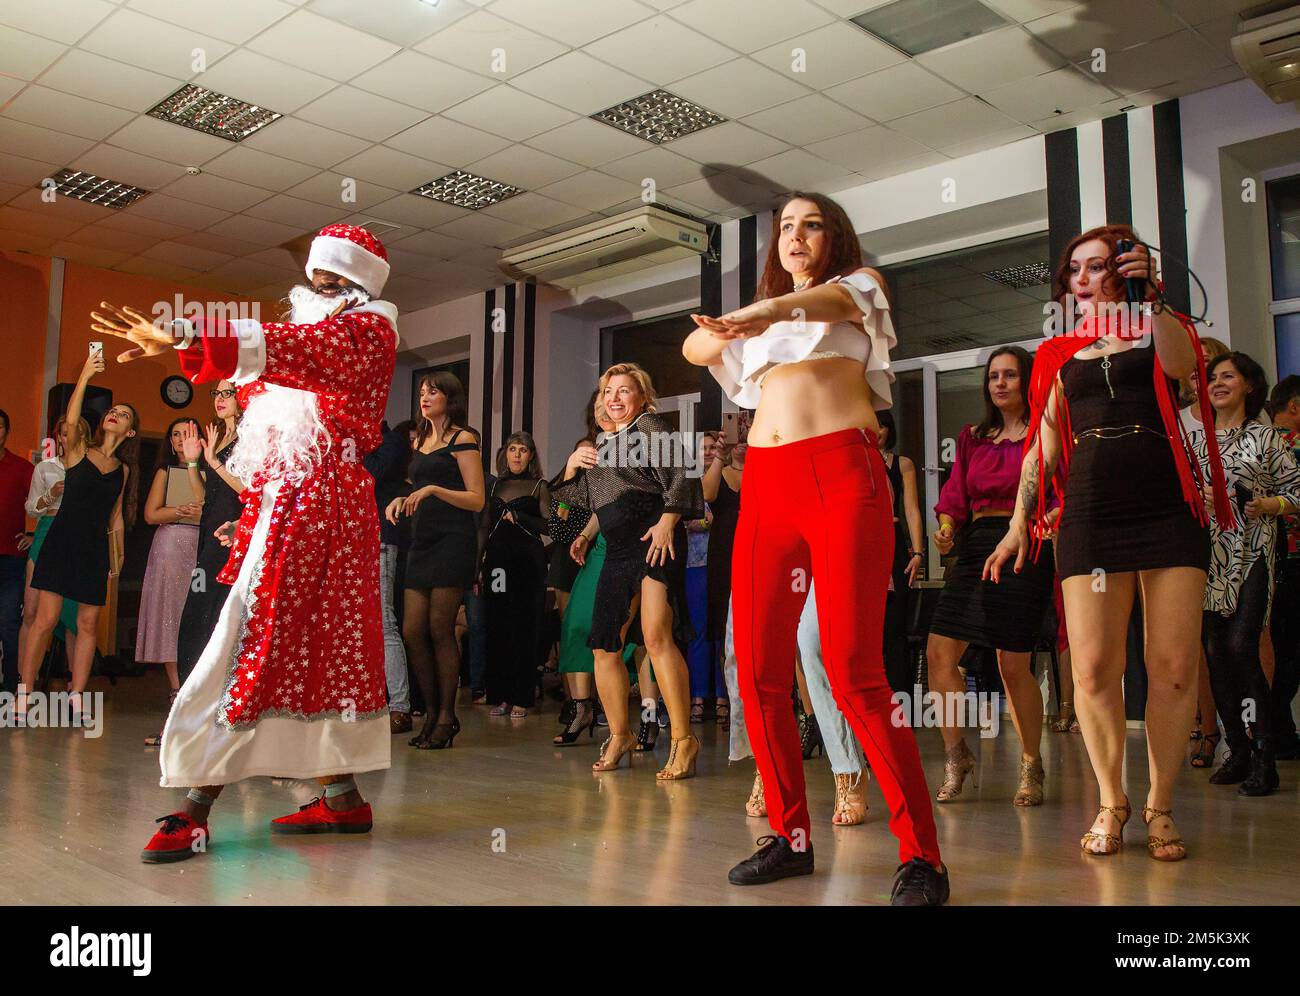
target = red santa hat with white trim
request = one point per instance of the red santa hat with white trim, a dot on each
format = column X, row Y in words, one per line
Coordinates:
column 350, row 252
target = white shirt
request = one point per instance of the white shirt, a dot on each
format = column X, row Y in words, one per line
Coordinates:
column 47, row 474
column 746, row 361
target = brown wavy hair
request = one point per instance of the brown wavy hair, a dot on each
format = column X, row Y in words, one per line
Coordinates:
column 1114, row 280
column 457, row 407
column 843, row 251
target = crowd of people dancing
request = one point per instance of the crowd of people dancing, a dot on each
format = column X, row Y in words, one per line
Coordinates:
column 762, row 584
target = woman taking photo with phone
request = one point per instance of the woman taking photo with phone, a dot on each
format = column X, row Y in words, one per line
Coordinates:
column 1104, row 412
column 812, row 354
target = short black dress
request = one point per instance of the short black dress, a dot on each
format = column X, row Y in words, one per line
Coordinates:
column 205, row 600
column 1124, row 505
column 74, row 559
column 568, row 517
column 722, row 537
column 444, row 538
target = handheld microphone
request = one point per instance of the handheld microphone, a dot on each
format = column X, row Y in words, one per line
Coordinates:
column 1134, row 289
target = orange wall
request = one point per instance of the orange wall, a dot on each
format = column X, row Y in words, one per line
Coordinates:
column 24, row 302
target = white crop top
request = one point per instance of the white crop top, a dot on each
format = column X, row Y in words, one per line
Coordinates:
column 746, row 362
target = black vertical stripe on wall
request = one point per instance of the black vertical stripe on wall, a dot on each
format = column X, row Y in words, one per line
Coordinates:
column 748, row 259
column 508, row 367
column 530, row 351
column 1064, row 215
column 710, row 412
column 489, row 341
column 1172, row 205
column 1115, row 165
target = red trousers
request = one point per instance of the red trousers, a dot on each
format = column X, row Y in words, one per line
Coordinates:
column 820, row 508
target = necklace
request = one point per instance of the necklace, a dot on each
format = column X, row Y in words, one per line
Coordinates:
column 801, row 286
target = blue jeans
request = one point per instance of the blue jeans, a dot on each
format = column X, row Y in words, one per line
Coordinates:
column 13, row 575
column 476, row 619
column 395, row 672
column 702, row 655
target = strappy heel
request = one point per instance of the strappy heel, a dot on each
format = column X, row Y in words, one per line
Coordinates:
column 850, row 800
column 608, row 759
column 958, row 762
column 678, row 767
column 756, row 805
column 1203, row 756
column 582, row 717
column 1030, row 792
column 1154, row 843
column 1066, row 720
column 647, row 735
column 1112, row 842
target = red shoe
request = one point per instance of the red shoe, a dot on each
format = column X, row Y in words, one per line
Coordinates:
column 316, row 817
column 178, row 838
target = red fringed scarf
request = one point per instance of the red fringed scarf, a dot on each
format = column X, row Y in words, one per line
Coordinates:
column 1051, row 356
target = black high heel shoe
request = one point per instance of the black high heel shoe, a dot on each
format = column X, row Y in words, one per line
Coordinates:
column 810, row 736
column 647, row 735
column 431, row 741
column 567, row 711
column 583, row 717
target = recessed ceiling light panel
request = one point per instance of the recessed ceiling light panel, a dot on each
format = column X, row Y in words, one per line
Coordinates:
column 916, row 26
column 1020, row 277
column 658, row 116
column 466, row 190
column 95, row 189
column 213, row 113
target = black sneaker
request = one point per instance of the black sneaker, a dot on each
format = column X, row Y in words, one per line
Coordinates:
column 1234, row 770
column 918, row 884
column 775, row 859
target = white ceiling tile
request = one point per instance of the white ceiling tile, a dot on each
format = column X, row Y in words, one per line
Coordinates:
column 47, row 145
column 1106, row 24
column 591, row 190
column 722, row 192
column 62, row 20
column 534, row 211
column 187, row 255
column 237, row 21
column 261, row 169
column 216, row 191
column 727, row 144
column 403, row 22
column 9, row 87
column 43, row 223
column 447, row 141
column 1062, row 90
column 989, row 140
column 89, row 255
column 796, row 169
column 131, row 37
column 895, row 167
column 64, row 112
column 748, row 25
column 390, row 168
column 322, row 46
column 1199, row 11
column 580, row 83
column 366, row 115
column 869, row 149
column 24, row 171
column 299, row 213
column 991, row 59
column 508, row 112
column 960, row 121
column 523, row 167
column 62, row 207
column 574, row 22
column 422, row 82
column 665, row 168
column 1219, row 33
column 10, row 190
column 829, row 55
column 330, row 189
column 174, row 211
column 169, row 142
column 147, row 266
column 264, row 82
column 591, row 143
column 305, row 142
column 108, row 238
column 1175, row 57
column 97, row 78
column 1029, row 10
column 738, row 88
column 806, row 120
column 851, row 8
column 480, row 41
column 479, row 227
column 256, row 230
column 1201, row 79
column 415, row 211
column 445, row 247
column 27, row 56
column 214, row 243
column 660, row 50
column 25, row 242
column 126, row 166
column 126, row 221
column 893, row 92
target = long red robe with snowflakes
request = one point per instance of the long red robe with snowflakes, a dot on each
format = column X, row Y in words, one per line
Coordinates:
column 292, row 681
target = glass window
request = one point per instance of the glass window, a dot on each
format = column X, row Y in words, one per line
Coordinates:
column 1287, row 330
column 1284, row 239
column 960, row 403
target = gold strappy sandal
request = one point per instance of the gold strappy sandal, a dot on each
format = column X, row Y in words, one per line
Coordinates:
column 957, row 764
column 756, row 806
column 1112, row 841
column 1154, row 843
column 850, row 801
column 1030, row 792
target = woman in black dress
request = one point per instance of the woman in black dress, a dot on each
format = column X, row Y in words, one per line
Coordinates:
column 76, row 560
column 513, row 578
column 721, row 486
column 447, row 475
column 909, row 540
column 1133, row 519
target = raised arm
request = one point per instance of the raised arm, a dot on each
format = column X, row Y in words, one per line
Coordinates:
column 75, row 447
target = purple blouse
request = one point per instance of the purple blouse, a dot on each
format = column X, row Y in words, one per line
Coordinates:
column 985, row 475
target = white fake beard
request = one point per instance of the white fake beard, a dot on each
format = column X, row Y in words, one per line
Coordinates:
column 281, row 434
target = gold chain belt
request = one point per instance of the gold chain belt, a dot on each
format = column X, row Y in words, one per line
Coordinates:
column 1115, row 432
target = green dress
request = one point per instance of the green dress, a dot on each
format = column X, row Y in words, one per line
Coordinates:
column 575, row 656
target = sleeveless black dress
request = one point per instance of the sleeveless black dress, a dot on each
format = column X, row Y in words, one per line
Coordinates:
column 514, row 592
column 207, row 595
column 722, row 537
column 899, row 598
column 444, row 543
column 1124, row 506
column 74, row 559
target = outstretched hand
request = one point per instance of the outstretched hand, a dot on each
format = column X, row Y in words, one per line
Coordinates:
column 751, row 320
column 146, row 338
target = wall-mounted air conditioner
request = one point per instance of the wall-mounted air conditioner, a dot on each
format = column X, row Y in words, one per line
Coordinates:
column 647, row 236
column 1268, row 49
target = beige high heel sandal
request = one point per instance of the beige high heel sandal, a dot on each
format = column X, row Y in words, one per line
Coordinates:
column 1154, row 843
column 958, row 762
column 1030, row 792
column 1112, row 841
column 756, row 805
column 608, row 762
column 681, row 760
column 850, row 800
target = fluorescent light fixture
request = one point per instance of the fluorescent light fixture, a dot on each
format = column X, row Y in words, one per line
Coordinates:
column 95, row 189
column 213, row 113
column 916, row 26
column 466, row 190
column 1020, row 277
column 658, row 116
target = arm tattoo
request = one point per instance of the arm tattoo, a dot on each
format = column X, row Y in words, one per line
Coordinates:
column 1029, row 484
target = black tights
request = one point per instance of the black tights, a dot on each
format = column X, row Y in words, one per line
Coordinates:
column 1232, row 651
column 429, row 629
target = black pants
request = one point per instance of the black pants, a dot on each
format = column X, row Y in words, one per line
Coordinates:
column 1286, row 650
column 1232, row 650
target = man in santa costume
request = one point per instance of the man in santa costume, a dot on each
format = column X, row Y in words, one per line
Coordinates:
column 291, row 683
